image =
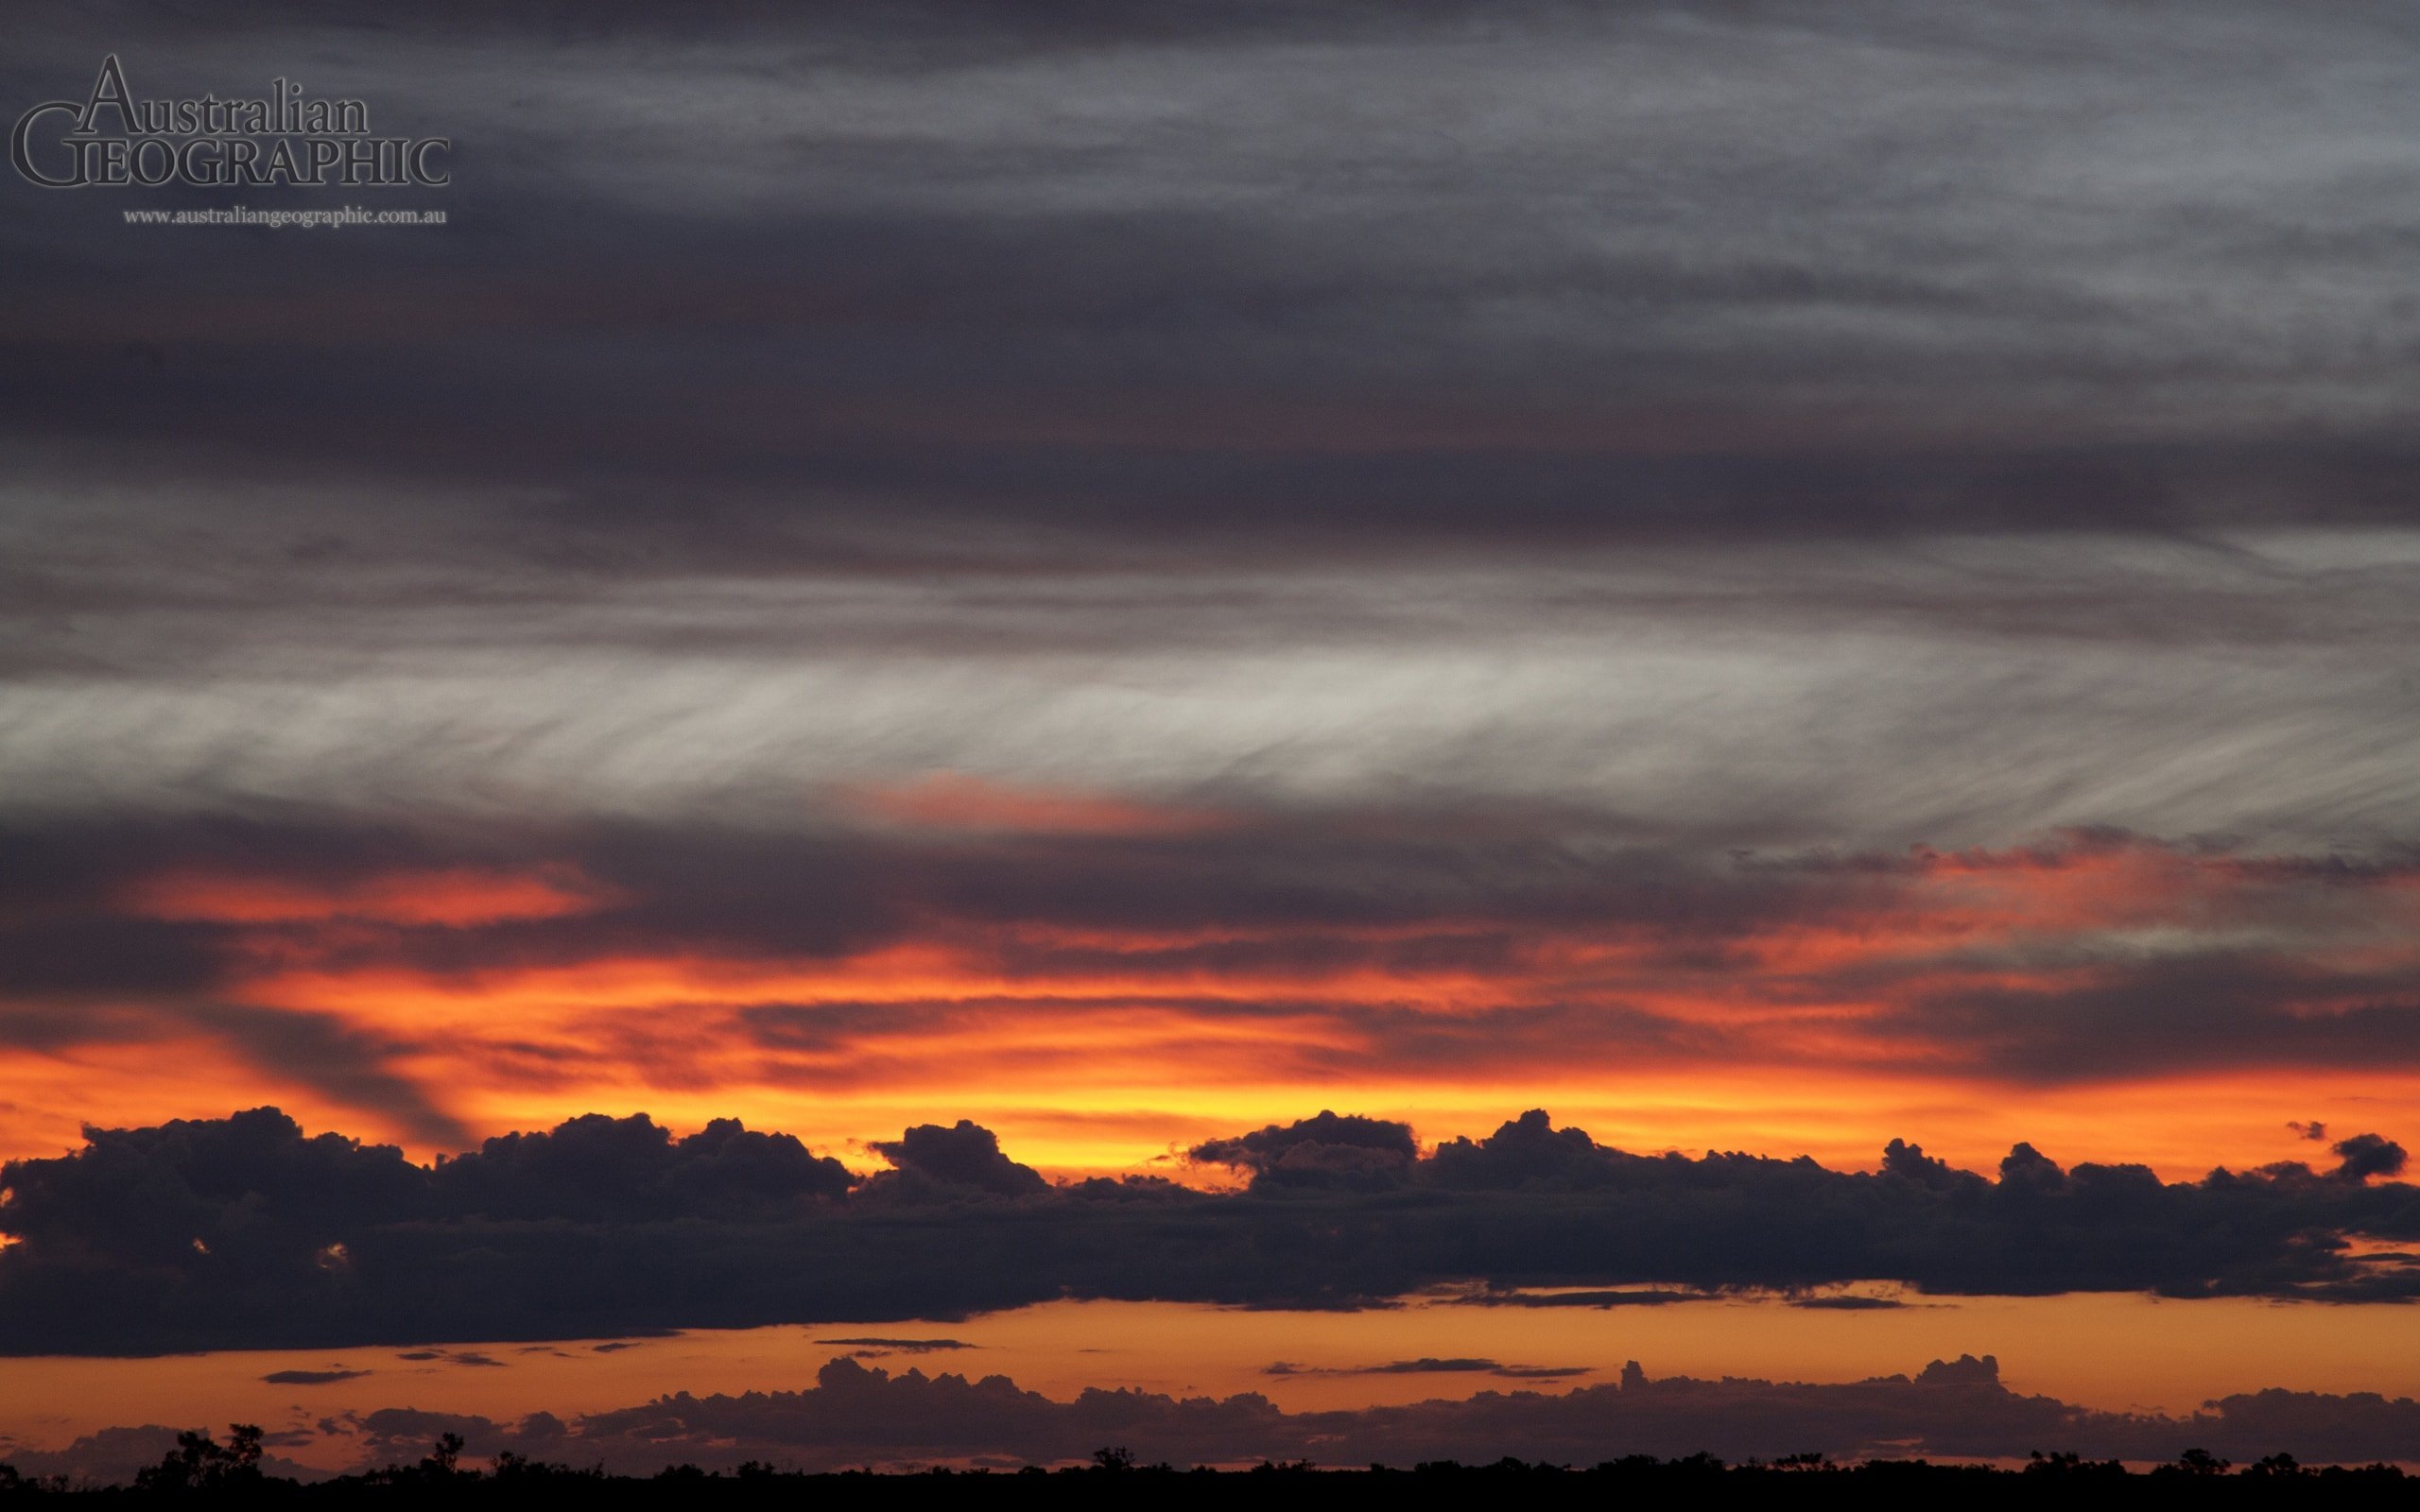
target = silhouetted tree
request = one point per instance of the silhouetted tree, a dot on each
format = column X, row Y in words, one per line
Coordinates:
column 201, row 1463
column 444, row 1458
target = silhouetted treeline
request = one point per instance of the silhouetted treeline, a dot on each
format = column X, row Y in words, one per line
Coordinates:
column 201, row 1468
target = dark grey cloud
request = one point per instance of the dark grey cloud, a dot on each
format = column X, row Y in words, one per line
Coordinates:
column 1521, row 207
column 2161, row 1015
column 1324, row 1151
column 1433, row 1365
column 903, row 1346
column 323, row 1052
column 1626, row 1296
column 599, row 1169
column 962, row 1158
column 313, row 1378
column 325, row 1243
column 2369, row 1155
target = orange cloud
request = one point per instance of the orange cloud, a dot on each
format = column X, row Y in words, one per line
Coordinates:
column 1807, row 1019
column 454, row 897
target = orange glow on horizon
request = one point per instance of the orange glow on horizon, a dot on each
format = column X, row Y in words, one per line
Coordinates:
column 1096, row 1049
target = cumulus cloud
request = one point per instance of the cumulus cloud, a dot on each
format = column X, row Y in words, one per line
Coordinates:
column 964, row 1156
column 2364, row 1156
column 1325, row 1151
column 625, row 1170
column 326, row 1242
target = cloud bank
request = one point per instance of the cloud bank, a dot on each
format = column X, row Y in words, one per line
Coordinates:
column 242, row 1233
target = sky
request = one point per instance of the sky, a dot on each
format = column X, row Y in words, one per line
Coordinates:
column 1111, row 636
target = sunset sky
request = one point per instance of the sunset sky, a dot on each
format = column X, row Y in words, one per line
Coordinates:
column 1762, row 581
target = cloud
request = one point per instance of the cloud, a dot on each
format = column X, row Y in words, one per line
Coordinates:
column 1285, row 322
column 1927, row 517
column 857, row 1415
column 1325, row 1151
column 1626, row 1296
column 324, row 1053
column 312, row 1378
column 1430, row 1365
column 2369, row 1155
column 325, row 1243
column 965, row 1156
column 904, row 1345
column 596, row 1168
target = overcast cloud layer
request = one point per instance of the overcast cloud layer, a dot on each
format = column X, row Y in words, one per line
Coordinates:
column 1881, row 426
